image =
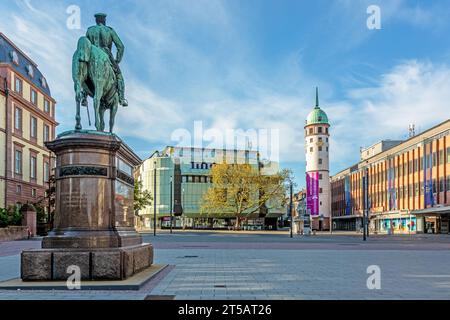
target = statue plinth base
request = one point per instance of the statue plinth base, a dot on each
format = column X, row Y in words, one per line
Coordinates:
column 94, row 218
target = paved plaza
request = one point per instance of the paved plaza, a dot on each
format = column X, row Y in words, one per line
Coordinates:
column 217, row 265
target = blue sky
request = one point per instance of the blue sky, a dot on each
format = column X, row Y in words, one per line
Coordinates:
column 254, row 65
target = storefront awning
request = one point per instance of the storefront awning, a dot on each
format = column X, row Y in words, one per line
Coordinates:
column 432, row 211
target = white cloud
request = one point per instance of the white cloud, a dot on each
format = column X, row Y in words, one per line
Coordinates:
column 412, row 92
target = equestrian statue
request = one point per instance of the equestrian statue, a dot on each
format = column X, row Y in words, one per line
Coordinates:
column 96, row 73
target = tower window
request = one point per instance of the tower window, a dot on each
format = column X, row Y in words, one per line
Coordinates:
column 320, row 160
column 311, row 140
column 310, row 130
column 311, row 149
column 320, row 190
column 320, row 148
column 319, row 129
column 320, row 176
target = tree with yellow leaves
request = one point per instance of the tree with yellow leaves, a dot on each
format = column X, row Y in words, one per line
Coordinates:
column 239, row 191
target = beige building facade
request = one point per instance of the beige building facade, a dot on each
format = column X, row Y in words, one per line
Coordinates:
column 27, row 120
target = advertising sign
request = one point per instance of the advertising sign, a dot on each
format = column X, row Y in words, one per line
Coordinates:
column 312, row 192
column 427, row 178
column 348, row 198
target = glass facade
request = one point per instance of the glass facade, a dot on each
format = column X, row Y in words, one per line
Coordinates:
column 182, row 177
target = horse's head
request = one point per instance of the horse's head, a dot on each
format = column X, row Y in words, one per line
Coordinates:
column 84, row 49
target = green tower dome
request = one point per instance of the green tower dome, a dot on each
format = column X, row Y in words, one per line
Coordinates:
column 317, row 115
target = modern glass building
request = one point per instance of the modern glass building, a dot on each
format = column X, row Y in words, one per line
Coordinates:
column 181, row 176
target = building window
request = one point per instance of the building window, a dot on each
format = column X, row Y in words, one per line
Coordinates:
column 18, row 119
column 326, row 130
column 320, row 190
column 18, row 85
column 448, row 155
column 320, row 148
column 327, row 149
column 14, row 57
column 18, row 189
column 18, row 162
column 47, row 106
column 33, row 128
column 434, row 159
column 441, row 184
column 33, row 163
column 46, row 172
column 310, row 130
column 320, row 160
column 33, row 97
column 320, row 139
column 311, row 140
column 310, row 149
column 319, row 129
column 33, row 192
column 46, row 133
column 320, row 176
column 441, row 157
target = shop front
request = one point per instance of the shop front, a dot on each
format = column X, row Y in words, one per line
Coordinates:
column 400, row 222
column 435, row 219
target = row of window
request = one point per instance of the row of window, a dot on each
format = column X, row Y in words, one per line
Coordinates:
column 18, row 125
column 379, row 197
column 196, row 179
column 19, row 191
column 18, row 87
column 319, row 139
column 319, row 148
column 319, row 130
column 319, row 161
column 18, row 165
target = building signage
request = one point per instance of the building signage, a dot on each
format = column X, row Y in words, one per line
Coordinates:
column 348, row 198
column 312, row 192
column 428, row 177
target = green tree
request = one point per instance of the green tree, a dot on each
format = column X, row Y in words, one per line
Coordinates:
column 10, row 216
column 142, row 198
column 240, row 191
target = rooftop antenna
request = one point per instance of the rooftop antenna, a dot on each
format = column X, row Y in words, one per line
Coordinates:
column 317, row 97
column 412, row 130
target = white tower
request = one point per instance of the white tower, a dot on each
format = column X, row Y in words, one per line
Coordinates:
column 317, row 167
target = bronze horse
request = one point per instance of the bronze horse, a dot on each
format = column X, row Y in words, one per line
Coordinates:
column 93, row 76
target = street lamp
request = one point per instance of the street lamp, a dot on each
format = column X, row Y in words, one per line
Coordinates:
column 290, row 208
column 171, row 213
column 154, row 194
column 366, row 202
column 182, row 206
column 154, row 200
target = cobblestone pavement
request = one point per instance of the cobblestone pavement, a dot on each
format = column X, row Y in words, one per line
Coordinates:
column 204, row 268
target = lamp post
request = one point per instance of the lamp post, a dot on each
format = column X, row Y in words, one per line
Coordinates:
column 366, row 203
column 171, row 213
column 154, row 193
column 182, row 206
column 290, row 208
column 154, row 200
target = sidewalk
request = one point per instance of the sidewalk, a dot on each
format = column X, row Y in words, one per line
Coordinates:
column 284, row 231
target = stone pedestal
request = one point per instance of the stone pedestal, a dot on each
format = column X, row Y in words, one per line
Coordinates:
column 29, row 218
column 94, row 219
